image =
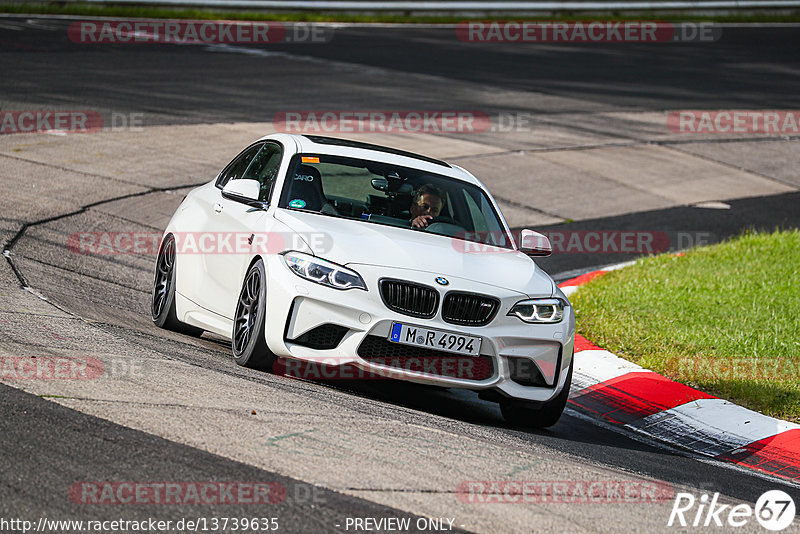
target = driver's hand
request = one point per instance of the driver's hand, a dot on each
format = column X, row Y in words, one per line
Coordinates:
column 421, row 222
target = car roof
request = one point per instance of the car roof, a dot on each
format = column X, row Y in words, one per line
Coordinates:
column 337, row 141
column 357, row 149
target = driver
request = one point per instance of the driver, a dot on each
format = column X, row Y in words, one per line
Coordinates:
column 425, row 205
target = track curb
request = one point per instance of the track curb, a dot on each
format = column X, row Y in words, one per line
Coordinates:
column 627, row 395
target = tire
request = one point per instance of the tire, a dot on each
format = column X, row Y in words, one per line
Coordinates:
column 247, row 339
column 162, row 299
column 546, row 415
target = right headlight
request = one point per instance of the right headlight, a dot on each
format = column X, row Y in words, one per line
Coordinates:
column 539, row 310
column 323, row 271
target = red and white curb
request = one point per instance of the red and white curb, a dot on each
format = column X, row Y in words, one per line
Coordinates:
column 628, row 395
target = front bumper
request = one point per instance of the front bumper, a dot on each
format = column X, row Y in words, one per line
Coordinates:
column 296, row 307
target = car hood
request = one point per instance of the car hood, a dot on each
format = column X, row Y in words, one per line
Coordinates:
column 350, row 242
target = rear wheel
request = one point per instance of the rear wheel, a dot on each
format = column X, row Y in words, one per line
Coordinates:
column 248, row 343
column 546, row 415
column 162, row 301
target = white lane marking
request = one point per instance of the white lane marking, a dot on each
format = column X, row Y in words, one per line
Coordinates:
column 403, row 25
column 44, row 24
column 19, row 25
column 221, row 47
column 712, row 205
column 711, row 426
column 619, row 265
column 656, row 443
column 572, row 288
column 11, row 26
column 569, row 290
column 352, row 67
column 595, row 366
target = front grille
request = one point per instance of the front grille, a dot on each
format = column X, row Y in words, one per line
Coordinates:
column 326, row 336
column 469, row 309
column 379, row 350
column 408, row 298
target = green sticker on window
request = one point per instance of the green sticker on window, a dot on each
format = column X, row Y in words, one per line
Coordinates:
column 297, row 203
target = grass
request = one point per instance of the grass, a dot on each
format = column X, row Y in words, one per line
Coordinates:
column 724, row 319
column 151, row 12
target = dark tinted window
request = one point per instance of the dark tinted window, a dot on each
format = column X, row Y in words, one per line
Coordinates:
column 382, row 193
column 239, row 165
column 264, row 168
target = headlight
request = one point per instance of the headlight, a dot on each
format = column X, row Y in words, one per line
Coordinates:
column 323, row 272
column 539, row 310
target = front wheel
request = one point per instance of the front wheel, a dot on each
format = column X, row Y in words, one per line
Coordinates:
column 248, row 343
column 545, row 416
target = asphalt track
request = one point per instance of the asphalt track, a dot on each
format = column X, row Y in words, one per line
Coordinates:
column 96, row 302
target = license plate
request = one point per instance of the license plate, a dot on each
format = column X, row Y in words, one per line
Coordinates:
column 435, row 339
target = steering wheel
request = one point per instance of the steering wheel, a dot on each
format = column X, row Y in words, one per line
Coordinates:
column 445, row 226
column 443, row 220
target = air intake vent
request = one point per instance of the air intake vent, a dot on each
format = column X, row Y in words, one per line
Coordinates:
column 526, row 373
column 408, row 298
column 326, row 336
column 469, row 309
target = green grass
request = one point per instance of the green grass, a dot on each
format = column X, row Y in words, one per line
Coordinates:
column 723, row 318
column 128, row 11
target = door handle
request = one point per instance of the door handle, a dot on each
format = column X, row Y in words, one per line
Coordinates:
column 218, row 207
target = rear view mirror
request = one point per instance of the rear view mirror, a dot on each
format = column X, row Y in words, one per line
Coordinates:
column 534, row 244
column 392, row 185
column 381, row 184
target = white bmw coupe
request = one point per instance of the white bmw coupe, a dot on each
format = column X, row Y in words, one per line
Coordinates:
column 310, row 249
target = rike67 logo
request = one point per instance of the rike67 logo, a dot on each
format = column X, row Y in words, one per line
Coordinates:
column 774, row 510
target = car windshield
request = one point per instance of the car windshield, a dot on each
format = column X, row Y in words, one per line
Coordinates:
column 382, row 193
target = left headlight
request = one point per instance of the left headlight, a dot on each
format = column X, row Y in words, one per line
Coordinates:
column 323, row 271
column 539, row 310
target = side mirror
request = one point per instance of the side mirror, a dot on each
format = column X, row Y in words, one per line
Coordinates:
column 242, row 190
column 534, row 244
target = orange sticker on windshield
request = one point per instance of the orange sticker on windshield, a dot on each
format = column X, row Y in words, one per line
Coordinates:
column 309, row 159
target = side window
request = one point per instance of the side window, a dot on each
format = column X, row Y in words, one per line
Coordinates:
column 238, row 166
column 264, row 168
